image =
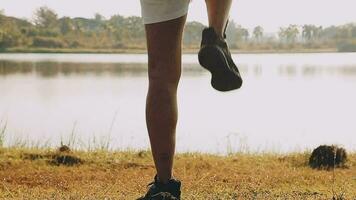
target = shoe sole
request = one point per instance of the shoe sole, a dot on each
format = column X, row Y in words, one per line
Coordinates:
column 222, row 78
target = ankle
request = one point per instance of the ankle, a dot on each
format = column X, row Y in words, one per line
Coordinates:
column 218, row 32
column 163, row 180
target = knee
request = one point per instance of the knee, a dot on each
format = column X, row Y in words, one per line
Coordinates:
column 164, row 77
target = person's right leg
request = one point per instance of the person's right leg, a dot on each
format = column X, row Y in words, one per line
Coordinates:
column 218, row 14
column 214, row 54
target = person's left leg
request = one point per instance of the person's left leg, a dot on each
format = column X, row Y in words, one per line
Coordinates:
column 164, row 23
column 164, row 69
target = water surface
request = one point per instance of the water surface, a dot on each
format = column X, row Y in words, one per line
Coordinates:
column 288, row 102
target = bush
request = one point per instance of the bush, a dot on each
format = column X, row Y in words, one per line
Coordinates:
column 75, row 44
column 326, row 157
column 347, row 47
column 48, row 42
column 32, row 32
column 119, row 45
column 9, row 39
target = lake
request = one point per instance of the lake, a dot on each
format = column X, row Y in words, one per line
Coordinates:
column 289, row 102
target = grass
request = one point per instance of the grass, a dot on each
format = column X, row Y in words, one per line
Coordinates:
column 2, row 132
column 32, row 173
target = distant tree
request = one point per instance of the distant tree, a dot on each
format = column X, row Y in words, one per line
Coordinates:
column 307, row 33
column 46, row 18
column 117, row 22
column 292, row 33
column 353, row 31
column 48, row 42
column 289, row 34
column 330, row 32
column 76, row 27
column 317, row 32
column 66, row 25
column 231, row 34
column 134, row 27
column 311, row 32
column 98, row 17
column 192, row 33
column 242, row 34
column 87, row 25
column 100, row 23
column 128, row 32
column 282, row 34
column 258, row 33
column 10, row 34
column 347, row 31
column 2, row 19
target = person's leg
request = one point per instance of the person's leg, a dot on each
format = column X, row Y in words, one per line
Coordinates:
column 164, row 62
column 218, row 14
column 214, row 54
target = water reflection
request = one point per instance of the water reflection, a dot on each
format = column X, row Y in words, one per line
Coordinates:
column 49, row 69
column 310, row 70
column 287, row 101
column 52, row 69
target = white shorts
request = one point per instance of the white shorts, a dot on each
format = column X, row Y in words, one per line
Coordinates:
column 154, row 11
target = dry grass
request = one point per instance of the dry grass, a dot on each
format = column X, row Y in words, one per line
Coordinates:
column 35, row 174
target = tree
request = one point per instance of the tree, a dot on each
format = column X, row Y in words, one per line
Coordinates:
column 317, row 32
column 231, row 34
column 128, row 32
column 307, row 32
column 311, row 32
column 46, row 18
column 10, row 34
column 242, row 34
column 134, row 27
column 117, row 22
column 346, row 31
column 353, row 31
column 289, row 34
column 66, row 25
column 99, row 18
column 258, row 33
column 192, row 33
column 282, row 34
column 329, row 33
column 292, row 33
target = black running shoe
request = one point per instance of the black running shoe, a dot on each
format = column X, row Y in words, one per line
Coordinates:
column 214, row 55
column 160, row 191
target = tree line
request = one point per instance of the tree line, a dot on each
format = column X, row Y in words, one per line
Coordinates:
column 47, row 30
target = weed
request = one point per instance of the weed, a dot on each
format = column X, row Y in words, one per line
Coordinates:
column 2, row 133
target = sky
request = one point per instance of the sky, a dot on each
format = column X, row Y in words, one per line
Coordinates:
column 270, row 14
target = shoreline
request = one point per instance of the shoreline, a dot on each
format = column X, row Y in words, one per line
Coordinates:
column 144, row 51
